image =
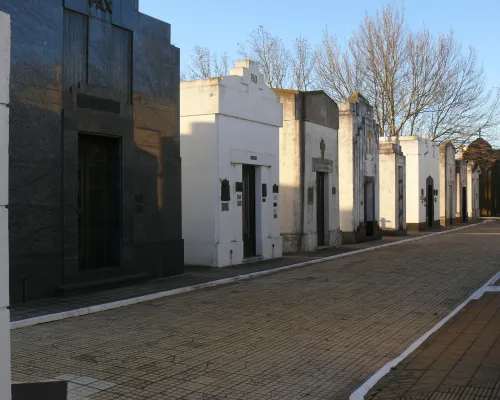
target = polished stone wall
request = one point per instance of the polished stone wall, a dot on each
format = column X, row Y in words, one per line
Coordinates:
column 45, row 122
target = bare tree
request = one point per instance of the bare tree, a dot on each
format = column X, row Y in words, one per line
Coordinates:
column 302, row 63
column 204, row 64
column 270, row 52
column 464, row 107
column 337, row 72
column 417, row 84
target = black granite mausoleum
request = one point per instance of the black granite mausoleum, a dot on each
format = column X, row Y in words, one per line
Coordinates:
column 95, row 168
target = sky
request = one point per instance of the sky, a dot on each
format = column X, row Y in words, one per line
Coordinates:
column 221, row 24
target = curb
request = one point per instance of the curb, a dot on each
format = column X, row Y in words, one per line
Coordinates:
column 360, row 393
column 153, row 296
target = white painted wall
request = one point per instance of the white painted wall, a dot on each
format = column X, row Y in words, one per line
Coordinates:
column 356, row 162
column 225, row 123
column 448, row 185
column 392, row 169
column 473, row 172
column 5, row 375
column 422, row 161
column 290, row 196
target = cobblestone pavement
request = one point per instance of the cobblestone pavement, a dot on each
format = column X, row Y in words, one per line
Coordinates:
column 192, row 276
column 460, row 361
column 316, row 332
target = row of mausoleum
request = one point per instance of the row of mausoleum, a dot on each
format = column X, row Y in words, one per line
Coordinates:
column 272, row 171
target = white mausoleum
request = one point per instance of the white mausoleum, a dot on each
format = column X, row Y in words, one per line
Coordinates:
column 392, row 186
column 462, row 188
column 358, row 170
column 473, row 172
column 5, row 381
column 422, row 182
column 230, row 168
column 448, row 185
column 309, row 175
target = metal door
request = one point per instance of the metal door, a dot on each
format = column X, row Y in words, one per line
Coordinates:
column 248, row 211
column 430, row 205
column 99, row 202
column 320, row 207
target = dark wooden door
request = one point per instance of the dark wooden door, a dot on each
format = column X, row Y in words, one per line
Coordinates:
column 248, row 211
column 430, row 205
column 99, row 202
column 320, row 208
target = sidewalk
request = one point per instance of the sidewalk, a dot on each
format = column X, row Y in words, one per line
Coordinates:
column 460, row 361
column 192, row 276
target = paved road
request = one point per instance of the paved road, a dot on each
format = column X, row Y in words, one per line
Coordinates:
column 312, row 333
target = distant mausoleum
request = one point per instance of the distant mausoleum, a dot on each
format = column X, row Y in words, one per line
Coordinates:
column 358, row 170
column 422, row 182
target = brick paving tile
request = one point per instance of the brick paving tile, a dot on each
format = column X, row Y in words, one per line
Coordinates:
column 316, row 332
column 460, row 361
column 192, row 276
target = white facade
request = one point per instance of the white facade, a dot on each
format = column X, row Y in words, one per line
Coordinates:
column 5, row 380
column 358, row 170
column 227, row 123
column 308, row 171
column 422, row 182
column 448, row 185
column 392, row 186
column 473, row 172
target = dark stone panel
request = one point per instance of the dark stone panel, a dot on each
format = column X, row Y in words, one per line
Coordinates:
column 37, row 275
column 156, row 62
column 123, row 12
column 36, row 50
column 321, row 109
column 162, row 258
column 35, row 171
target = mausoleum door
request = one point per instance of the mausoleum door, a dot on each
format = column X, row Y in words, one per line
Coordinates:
column 249, row 211
column 320, row 207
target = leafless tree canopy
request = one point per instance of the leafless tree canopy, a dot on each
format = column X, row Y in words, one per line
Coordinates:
column 204, row 64
column 419, row 84
column 302, row 63
column 270, row 52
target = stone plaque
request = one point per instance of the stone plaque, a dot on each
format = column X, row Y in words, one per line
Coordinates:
column 310, row 195
column 320, row 165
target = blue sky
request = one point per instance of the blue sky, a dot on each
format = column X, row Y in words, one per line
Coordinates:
column 221, row 24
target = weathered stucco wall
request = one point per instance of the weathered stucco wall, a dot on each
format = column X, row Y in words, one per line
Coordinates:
column 358, row 169
column 310, row 125
column 422, row 168
column 225, row 123
column 448, row 191
column 392, row 186
column 5, row 382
